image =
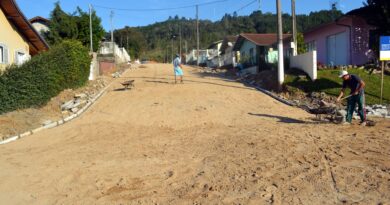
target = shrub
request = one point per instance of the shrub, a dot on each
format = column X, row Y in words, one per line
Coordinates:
column 34, row 83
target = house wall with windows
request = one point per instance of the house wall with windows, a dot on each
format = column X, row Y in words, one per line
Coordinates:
column 342, row 42
column 248, row 59
column 14, row 49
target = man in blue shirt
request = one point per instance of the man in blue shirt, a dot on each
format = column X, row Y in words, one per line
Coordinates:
column 177, row 68
column 357, row 95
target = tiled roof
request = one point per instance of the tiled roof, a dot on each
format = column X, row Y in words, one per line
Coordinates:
column 260, row 39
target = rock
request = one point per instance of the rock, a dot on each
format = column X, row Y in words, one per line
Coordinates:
column 323, row 95
column 315, row 95
column 74, row 110
column 369, row 109
column 67, row 105
column 47, row 122
column 341, row 112
column 116, row 75
column 382, row 112
column 323, row 103
column 81, row 95
column 379, row 107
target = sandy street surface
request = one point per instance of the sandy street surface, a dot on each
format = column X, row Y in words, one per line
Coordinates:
column 207, row 141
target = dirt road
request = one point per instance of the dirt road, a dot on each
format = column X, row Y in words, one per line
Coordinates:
column 207, row 141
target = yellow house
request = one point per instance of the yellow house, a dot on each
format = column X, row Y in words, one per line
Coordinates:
column 18, row 39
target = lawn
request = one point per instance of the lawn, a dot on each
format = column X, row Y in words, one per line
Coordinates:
column 329, row 83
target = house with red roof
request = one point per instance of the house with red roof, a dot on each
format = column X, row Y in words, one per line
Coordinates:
column 258, row 52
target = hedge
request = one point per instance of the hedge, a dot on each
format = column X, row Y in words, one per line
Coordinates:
column 34, row 83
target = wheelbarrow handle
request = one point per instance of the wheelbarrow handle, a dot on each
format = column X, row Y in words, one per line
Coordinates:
column 345, row 97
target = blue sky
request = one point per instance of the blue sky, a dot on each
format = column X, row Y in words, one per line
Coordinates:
column 212, row 12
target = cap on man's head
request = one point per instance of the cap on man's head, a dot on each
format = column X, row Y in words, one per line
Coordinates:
column 342, row 73
column 177, row 55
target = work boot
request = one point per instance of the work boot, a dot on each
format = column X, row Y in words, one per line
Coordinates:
column 346, row 123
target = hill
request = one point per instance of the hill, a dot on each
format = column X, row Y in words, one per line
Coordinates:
column 154, row 41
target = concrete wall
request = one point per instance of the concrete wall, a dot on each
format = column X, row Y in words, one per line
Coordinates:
column 12, row 40
column 306, row 62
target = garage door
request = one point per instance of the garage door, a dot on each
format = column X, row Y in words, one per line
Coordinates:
column 337, row 49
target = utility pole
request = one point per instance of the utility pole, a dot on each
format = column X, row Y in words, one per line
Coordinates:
column 172, row 49
column 180, row 41
column 280, row 45
column 127, row 42
column 197, row 35
column 294, row 29
column 185, row 46
column 112, row 27
column 172, row 37
column 90, row 26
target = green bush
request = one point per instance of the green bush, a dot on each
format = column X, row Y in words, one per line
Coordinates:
column 34, row 83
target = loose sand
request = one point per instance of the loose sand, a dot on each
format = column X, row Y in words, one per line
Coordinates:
column 207, row 141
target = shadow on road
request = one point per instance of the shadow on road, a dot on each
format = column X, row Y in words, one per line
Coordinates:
column 120, row 89
column 281, row 119
column 156, row 81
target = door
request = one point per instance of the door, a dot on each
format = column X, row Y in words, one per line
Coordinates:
column 337, row 49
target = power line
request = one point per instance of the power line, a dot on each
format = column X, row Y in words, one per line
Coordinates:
column 161, row 9
column 246, row 5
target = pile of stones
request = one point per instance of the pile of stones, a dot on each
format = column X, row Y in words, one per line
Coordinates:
column 378, row 110
column 74, row 105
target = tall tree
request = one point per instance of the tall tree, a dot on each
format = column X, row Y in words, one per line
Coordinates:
column 84, row 29
column 380, row 14
column 74, row 26
column 62, row 25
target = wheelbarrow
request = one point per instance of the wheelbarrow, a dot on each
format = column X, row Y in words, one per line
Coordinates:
column 128, row 84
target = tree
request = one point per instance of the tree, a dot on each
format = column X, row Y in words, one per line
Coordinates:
column 62, row 25
column 301, row 44
column 379, row 14
column 84, row 28
column 74, row 26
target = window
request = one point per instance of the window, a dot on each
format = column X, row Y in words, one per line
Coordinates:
column 311, row 46
column 20, row 57
column 3, row 54
column 251, row 56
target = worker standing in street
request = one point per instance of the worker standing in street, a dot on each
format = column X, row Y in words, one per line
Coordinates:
column 356, row 84
column 177, row 68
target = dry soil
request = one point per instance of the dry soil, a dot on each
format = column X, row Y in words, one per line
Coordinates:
column 207, row 141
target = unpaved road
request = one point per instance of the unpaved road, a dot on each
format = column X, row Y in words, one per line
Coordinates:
column 207, row 141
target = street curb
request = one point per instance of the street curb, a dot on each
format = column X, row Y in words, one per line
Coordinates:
column 269, row 93
column 6, row 140
column 247, row 83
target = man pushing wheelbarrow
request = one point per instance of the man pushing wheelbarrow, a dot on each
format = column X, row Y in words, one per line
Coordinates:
column 356, row 96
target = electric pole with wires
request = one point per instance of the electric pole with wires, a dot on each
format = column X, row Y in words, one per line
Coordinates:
column 197, row 35
column 280, row 45
column 112, row 27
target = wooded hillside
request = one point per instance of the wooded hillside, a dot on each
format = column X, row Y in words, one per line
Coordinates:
column 154, row 42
